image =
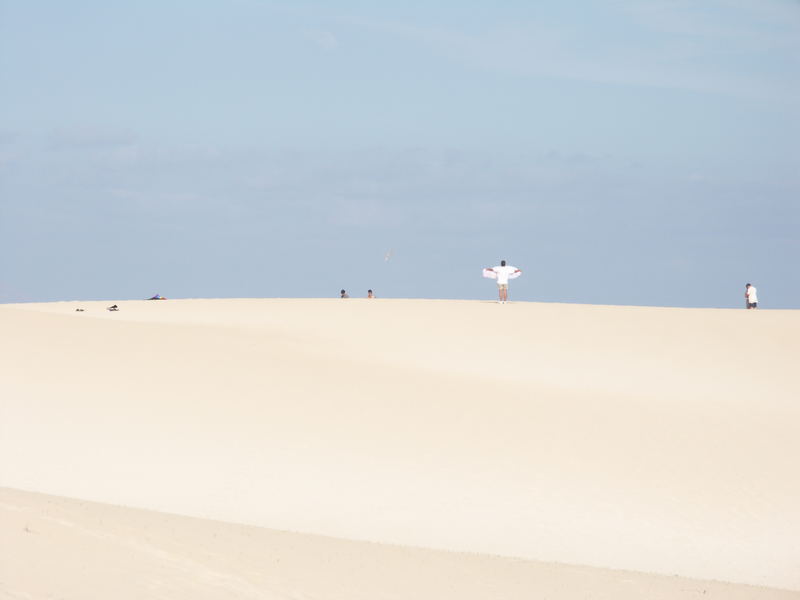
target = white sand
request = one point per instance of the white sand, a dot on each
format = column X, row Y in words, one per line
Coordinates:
column 59, row 548
column 645, row 439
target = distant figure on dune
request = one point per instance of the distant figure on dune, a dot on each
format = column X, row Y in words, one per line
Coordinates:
column 157, row 297
column 343, row 294
column 502, row 273
column 751, row 296
column 370, row 294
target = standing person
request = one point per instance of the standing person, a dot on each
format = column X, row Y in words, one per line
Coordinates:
column 752, row 296
column 343, row 294
column 370, row 294
column 503, row 273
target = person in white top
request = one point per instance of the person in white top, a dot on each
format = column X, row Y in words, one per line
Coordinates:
column 503, row 272
column 751, row 295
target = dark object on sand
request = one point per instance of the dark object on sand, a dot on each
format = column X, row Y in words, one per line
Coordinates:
column 157, row 297
column 113, row 307
column 78, row 310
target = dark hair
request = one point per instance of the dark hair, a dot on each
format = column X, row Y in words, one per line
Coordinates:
column 746, row 285
column 342, row 292
column 369, row 291
column 502, row 263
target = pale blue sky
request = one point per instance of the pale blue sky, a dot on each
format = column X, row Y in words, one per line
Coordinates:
column 625, row 152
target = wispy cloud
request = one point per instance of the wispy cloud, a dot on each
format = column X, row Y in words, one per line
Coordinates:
column 89, row 137
column 775, row 21
column 7, row 136
column 676, row 45
column 323, row 39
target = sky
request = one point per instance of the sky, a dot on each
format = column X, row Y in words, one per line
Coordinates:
column 636, row 152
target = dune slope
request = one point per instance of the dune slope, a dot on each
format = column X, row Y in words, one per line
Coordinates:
column 56, row 547
column 646, row 439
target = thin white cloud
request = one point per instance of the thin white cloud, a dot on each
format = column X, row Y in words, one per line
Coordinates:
column 8, row 136
column 323, row 39
column 89, row 137
column 676, row 45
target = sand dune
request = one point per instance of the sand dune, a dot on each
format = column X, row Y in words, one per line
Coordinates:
column 61, row 548
column 643, row 439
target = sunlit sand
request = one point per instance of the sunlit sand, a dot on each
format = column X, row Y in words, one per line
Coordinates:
column 484, row 449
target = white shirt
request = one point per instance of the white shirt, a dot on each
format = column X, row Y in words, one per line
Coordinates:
column 503, row 273
column 752, row 297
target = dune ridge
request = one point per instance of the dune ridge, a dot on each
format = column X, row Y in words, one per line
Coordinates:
column 644, row 439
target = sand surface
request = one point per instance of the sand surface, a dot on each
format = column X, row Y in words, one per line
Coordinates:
column 641, row 439
column 56, row 547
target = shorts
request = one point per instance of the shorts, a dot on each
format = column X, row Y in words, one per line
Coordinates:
column 502, row 286
column 752, row 305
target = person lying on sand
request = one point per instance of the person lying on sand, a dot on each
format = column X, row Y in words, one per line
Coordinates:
column 113, row 307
